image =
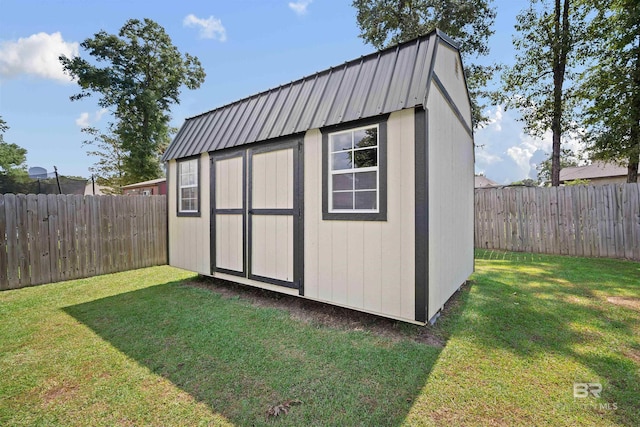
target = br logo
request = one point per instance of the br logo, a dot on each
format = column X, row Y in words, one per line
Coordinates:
column 582, row 390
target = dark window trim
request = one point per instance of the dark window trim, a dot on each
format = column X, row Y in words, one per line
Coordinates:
column 452, row 105
column 198, row 174
column 298, row 221
column 421, row 214
column 381, row 215
column 213, row 158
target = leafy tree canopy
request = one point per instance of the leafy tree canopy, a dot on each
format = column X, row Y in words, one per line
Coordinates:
column 610, row 87
column 141, row 80
column 469, row 22
column 12, row 156
column 541, row 82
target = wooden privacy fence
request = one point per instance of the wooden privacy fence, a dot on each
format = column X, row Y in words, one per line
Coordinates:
column 591, row 221
column 50, row 238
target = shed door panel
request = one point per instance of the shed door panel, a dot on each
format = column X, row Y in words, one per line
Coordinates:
column 272, row 215
column 229, row 214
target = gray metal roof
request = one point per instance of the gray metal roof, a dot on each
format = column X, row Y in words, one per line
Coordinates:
column 379, row 83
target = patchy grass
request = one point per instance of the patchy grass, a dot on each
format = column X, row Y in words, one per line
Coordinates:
column 532, row 326
column 148, row 347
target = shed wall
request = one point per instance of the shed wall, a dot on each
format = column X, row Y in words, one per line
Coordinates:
column 448, row 68
column 451, row 208
column 365, row 265
column 189, row 236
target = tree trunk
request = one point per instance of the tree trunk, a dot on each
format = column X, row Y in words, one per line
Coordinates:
column 632, row 172
column 561, row 41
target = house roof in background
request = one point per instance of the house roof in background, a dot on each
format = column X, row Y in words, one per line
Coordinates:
column 145, row 183
column 597, row 169
column 482, row 181
column 382, row 82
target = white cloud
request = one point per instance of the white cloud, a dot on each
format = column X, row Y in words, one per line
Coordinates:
column 494, row 118
column 300, row 6
column 210, row 28
column 36, row 55
column 485, row 158
column 85, row 120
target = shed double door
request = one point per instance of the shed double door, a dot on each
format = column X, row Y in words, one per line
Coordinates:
column 257, row 214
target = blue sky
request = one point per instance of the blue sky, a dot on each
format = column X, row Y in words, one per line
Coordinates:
column 245, row 46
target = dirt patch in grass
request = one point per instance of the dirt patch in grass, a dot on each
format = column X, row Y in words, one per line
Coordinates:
column 633, row 355
column 59, row 393
column 632, row 303
column 317, row 313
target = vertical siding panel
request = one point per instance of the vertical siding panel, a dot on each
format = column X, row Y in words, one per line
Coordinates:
column 373, row 267
column 355, row 277
column 407, row 218
column 269, row 245
column 283, row 243
column 258, row 255
column 339, row 257
column 283, row 184
column 290, row 179
column 222, row 240
column 259, row 181
column 325, row 247
column 270, row 177
column 290, row 253
column 391, row 255
column 221, row 190
column 312, row 210
column 235, row 263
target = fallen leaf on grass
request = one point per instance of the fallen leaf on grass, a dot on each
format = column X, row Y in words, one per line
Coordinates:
column 282, row 408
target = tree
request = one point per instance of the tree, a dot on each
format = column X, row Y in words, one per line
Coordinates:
column 12, row 156
column 540, row 83
column 611, row 86
column 109, row 168
column 567, row 159
column 386, row 22
column 528, row 182
column 141, row 81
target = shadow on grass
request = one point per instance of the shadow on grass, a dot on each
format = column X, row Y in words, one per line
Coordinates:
column 558, row 305
column 240, row 359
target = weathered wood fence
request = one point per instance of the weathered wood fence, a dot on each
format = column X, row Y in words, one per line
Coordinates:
column 591, row 221
column 50, row 238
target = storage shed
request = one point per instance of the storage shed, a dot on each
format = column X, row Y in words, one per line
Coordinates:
column 352, row 186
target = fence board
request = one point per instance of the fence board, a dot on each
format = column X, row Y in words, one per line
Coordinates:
column 54, row 239
column 33, row 228
column 13, row 266
column 598, row 221
column 49, row 238
column 23, row 240
column 4, row 280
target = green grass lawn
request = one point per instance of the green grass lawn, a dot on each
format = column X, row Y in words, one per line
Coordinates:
column 145, row 348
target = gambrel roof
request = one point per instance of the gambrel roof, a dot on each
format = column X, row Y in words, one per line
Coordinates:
column 389, row 80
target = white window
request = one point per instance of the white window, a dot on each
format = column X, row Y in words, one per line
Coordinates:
column 354, row 178
column 188, row 186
